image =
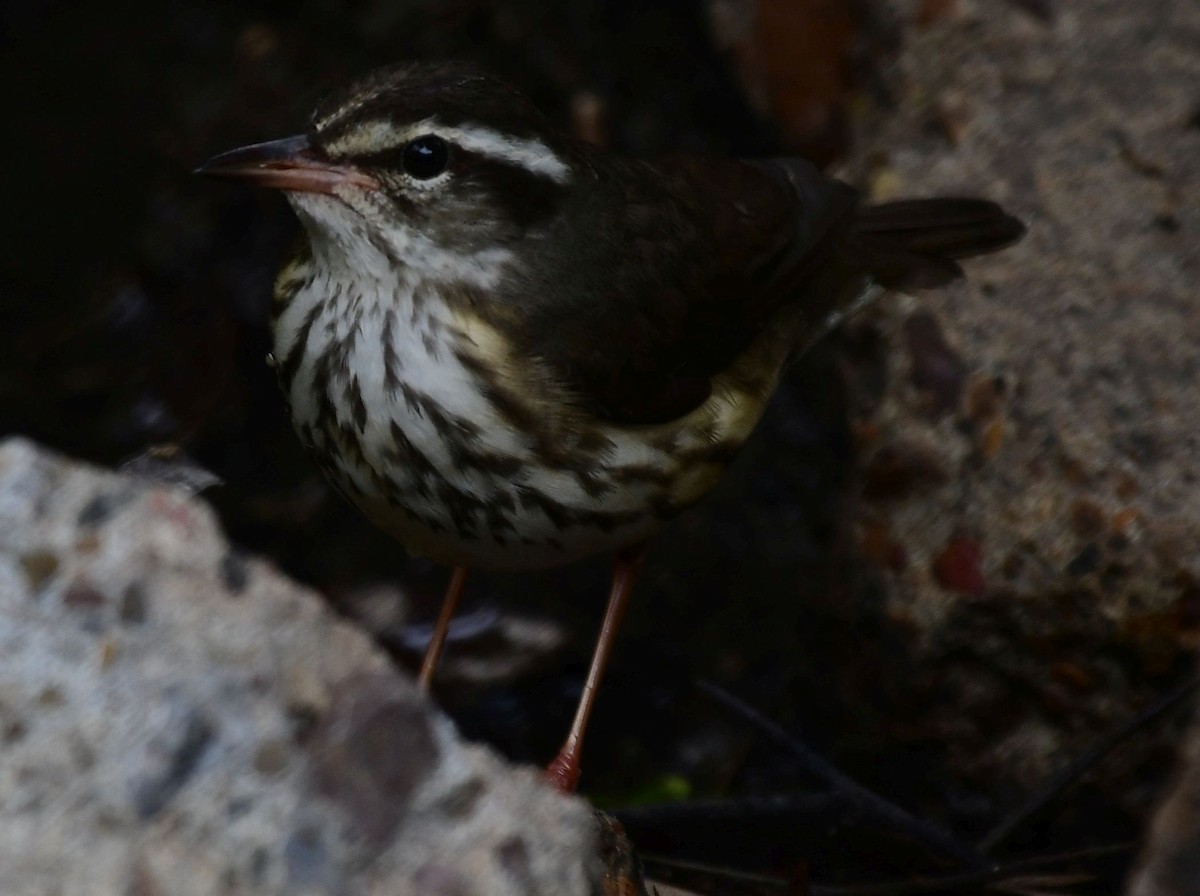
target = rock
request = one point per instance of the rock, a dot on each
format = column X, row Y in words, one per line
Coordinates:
column 1170, row 862
column 1053, row 392
column 178, row 718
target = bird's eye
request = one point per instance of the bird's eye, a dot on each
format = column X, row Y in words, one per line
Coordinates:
column 425, row 157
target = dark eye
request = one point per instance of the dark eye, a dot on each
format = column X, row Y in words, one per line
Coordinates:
column 425, row 157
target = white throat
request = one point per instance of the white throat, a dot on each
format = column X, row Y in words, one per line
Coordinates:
column 354, row 237
column 379, row 341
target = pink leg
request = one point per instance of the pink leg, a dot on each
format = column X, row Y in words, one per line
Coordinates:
column 563, row 772
column 449, row 604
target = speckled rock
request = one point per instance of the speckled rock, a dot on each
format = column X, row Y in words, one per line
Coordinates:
column 1030, row 488
column 178, row 718
column 1170, row 862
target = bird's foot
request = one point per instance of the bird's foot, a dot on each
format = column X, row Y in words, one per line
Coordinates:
column 563, row 772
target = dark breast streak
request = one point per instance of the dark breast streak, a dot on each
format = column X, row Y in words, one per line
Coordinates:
column 435, row 477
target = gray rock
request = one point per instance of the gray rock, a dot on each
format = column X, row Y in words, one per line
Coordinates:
column 1170, row 862
column 1030, row 476
column 177, row 718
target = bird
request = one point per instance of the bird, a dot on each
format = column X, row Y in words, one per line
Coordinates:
column 512, row 349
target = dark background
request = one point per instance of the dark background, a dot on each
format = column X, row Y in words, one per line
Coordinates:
column 135, row 295
column 133, row 301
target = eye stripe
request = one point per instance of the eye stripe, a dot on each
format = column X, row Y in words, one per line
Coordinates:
column 518, row 196
column 372, row 138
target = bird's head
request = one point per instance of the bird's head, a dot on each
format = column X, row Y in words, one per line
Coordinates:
column 429, row 167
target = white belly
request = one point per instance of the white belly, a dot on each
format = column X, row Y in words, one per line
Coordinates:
column 401, row 426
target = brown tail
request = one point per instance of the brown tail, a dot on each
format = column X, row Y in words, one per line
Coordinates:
column 916, row 243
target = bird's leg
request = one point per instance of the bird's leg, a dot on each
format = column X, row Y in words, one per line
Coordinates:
column 449, row 604
column 563, row 772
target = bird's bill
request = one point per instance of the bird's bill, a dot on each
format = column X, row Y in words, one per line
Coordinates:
column 292, row 163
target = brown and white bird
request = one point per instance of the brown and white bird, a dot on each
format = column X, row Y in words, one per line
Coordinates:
column 512, row 349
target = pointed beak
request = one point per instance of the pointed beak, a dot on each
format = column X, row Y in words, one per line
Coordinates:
column 292, row 163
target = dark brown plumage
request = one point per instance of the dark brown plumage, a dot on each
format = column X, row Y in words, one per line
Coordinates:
column 513, row 349
column 699, row 253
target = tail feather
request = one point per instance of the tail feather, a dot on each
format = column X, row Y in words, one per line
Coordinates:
column 915, row 243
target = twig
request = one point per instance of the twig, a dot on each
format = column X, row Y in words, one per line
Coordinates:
column 734, row 809
column 1062, row 780
column 856, row 795
column 1017, row 873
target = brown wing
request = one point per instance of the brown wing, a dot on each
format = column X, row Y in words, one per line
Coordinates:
column 654, row 277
